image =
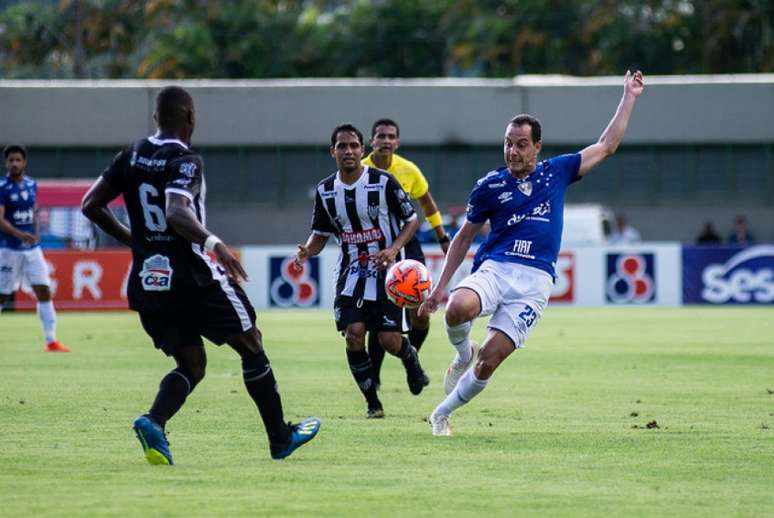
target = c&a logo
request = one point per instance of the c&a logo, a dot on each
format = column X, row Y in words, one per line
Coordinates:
column 630, row 278
column 290, row 288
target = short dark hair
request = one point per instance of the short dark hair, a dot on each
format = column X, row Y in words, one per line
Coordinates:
column 385, row 122
column 172, row 106
column 534, row 124
column 15, row 148
column 347, row 127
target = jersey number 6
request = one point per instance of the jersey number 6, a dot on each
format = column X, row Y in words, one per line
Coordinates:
column 152, row 214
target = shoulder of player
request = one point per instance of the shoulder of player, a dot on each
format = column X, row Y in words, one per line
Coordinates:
column 558, row 160
column 327, row 180
column 491, row 179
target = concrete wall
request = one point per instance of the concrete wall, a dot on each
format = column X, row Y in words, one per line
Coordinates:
column 693, row 109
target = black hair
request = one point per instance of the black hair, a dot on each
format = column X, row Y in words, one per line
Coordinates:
column 534, row 124
column 385, row 122
column 346, row 128
column 172, row 106
column 15, row 148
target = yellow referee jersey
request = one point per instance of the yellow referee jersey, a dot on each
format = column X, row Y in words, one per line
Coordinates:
column 406, row 172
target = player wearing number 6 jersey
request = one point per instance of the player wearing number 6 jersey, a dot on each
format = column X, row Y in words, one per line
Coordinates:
column 179, row 292
column 513, row 271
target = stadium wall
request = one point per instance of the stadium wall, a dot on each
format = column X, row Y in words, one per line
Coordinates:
column 652, row 274
column 107, row 113
column 699, row 147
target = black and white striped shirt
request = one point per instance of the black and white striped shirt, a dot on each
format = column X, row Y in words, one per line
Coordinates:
column 365, row 217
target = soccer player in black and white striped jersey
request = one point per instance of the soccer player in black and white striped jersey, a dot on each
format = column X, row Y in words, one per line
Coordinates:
column 371, row 218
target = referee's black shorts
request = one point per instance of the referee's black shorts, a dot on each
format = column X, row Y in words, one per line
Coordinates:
column 217, row 312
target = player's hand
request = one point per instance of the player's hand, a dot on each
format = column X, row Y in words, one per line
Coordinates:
column 431, row 304
column 229, row 262
column 385, row 258
column 445, row 246
column 634, row 83
column 27, row 238
column 301, row 256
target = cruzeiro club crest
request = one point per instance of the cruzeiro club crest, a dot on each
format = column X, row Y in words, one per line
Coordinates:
column 156, row 273
column 525, row 188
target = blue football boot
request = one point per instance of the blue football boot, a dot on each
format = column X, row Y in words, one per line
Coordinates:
column 300, row 434
column 154, row 441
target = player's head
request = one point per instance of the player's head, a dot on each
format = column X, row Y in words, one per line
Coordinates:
column 175, row 112
column 347, row 147
column 385, row 137
column 15, row 159
column 522, row 144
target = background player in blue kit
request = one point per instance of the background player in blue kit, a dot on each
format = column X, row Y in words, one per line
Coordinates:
column 20, row 253
column 513, row 271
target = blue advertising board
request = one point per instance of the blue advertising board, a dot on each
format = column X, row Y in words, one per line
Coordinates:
column 728, row 275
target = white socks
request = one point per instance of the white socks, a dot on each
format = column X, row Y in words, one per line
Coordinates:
column 47, row 315
column 459, row 336
column 467, row 388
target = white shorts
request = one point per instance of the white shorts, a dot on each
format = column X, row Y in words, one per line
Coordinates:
column 18, row 265
column 513, row 294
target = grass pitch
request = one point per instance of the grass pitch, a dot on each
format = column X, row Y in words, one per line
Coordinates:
column 562, row 430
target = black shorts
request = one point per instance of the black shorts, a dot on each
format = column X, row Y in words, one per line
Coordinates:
column 413, row 250
column 378, row 315
column 215, row 312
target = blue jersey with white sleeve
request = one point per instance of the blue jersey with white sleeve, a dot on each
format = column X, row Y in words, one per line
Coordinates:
column 526, row 215
column 18, row 198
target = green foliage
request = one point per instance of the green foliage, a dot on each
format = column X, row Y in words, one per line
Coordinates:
column 562, row 429
column 384, row 38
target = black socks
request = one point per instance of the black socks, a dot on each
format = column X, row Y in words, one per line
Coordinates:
column 173, row 390
column 362, row 370
column 262, row 387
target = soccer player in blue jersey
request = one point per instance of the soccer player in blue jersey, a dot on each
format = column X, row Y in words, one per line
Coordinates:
column 20, row 254
column 513, row 271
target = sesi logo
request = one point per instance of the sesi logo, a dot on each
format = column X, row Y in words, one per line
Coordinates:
column 746, row 277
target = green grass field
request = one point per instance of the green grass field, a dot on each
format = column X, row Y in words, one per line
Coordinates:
column 560, row 431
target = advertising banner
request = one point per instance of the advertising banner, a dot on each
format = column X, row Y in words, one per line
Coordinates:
column 289, row 288
column 84, row 280
column 728, row 275
column 631, row 278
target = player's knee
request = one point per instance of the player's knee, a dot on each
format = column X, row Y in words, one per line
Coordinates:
column 42, row 293
column 355, row 339
column 463, row 307
column 390, row 342
column 197, row 373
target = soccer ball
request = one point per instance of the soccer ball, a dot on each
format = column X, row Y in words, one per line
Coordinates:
column 408, row 283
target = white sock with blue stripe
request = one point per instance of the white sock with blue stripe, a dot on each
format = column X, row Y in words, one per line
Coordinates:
column 459, row 336
column 47, row 315
column 467, row 388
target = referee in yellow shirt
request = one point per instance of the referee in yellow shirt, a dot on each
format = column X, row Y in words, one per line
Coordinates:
column 385, row 139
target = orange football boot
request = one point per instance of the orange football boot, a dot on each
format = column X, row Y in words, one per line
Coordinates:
column 56, row 347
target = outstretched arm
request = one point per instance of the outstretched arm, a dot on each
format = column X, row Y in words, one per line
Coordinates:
column 610, row 139
column 457, row 250
column 314, row 245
